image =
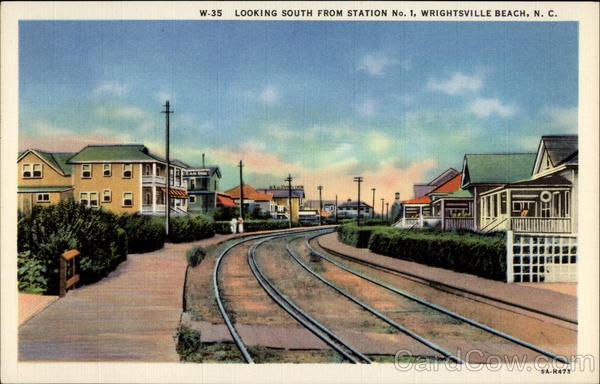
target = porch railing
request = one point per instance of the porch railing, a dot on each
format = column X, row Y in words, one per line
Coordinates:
column 459, row 223
column 541, row 224
column 151, row 208
column 152, row 179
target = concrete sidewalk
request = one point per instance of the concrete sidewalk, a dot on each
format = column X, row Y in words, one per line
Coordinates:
column 131, row 315
column 30, row 305
column 545, row 300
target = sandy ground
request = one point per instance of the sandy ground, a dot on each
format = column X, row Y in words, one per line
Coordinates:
column 30, row 305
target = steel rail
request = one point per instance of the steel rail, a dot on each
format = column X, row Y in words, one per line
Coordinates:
column 300, row 315
column 375, row 312
column 438, row 308
column 443, row 286
column 234, row 334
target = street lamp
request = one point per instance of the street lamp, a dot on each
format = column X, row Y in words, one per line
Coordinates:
column 320, row 188
column 359, row 180
column 382, row 199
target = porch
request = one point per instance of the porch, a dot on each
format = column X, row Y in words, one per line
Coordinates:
column 154, row 201
column 532, row 210
column 417, row 216
column 455, row 211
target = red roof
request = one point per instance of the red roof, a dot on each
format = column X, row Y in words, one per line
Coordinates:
column 450, row 186
column 225, row 201
column 249, row 193
column 418, row 200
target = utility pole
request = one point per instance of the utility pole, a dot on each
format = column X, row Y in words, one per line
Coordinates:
column 359, row 180
column 289, row 180
column 387, row 211
column 336, row 205
column 241, row 191
column 320, row 188
column 373, row 212
column 382, row 199
column 167, row 113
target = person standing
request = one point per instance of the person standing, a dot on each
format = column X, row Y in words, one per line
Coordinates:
column 240, row 225
column 233, row 225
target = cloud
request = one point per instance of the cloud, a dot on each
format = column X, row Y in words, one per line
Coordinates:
column 458, row 83
column 125, row 112
column 367, row 108
column 46, row 136
column 163, row 96
column 270, row 94
column 378, row 141
column 562, row 117
column 111, row 88
column 483, row 107
column 376, row 65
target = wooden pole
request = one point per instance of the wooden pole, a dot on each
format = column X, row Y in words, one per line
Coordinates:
column 167, row 113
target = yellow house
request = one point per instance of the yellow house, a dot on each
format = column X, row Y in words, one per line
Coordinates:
column 44, row 178
column 282, row 199
column 127, row 178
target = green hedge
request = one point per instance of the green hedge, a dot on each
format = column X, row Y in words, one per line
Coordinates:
column 190, row 228
column 470, row 252
column 356, row 236
column 144, row 233
column 52, row 230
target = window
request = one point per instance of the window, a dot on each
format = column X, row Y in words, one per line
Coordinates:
column 503, row 203
column 127, row 199
column 127, row 171
column 192, row 199
column 43, row 198
column 84, row 198
column 567, row 203
column 27, row 168
column 106, row 196
column 93, row 199
column 147, row 169
column 106, row 170
column 37, row 170
column 86, row 171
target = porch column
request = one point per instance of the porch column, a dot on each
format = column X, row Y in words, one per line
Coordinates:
column 421, row 215
column 475, row 209
column 153, row 169
column 443, row 215
column 153, row 195
column 509, row 208
column 404, row 215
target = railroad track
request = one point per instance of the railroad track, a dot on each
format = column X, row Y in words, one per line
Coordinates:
column 217, row 289
column 426, row 303
column 318, row 329
column 469, row 294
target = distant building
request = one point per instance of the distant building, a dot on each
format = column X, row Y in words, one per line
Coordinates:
column 353, row 208
column 281, row 200
column 252, row 199
column 423, row 189
column 202, row 186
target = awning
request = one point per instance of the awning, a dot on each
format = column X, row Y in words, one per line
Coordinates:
column 225, row 201
column 177, row 193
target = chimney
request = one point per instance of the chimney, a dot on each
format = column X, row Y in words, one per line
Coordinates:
column 203, row 160
column 397, row 197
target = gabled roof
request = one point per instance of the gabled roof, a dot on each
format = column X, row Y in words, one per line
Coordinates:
column 418, row 200
column 449, row 186
column 460, row 194
column 57, row 160
column 249, row 193
column 561, row 149
column 444, row 177
column 114, row 152
column 496, row 168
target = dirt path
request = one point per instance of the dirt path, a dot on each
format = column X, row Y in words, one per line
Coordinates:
column 131, row 315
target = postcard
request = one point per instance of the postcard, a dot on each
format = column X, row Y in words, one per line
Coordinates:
column 299, row 192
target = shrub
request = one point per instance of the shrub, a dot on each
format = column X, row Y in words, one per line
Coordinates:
column 354, row 235
column 375, row 222
column 223, row 227
column 190, row 228
column 463, row 251
column 188, row 344
column 31, row 273
column 195, row 255
column 52, row 230
column 484, row 256
column 144, row 233
column 225, row 213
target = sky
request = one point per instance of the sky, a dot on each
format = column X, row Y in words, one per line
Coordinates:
column 394, row 102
